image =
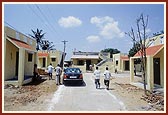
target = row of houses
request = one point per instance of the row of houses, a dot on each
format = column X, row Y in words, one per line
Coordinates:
column 121, row 62
column 20, row 55
column 83, row 60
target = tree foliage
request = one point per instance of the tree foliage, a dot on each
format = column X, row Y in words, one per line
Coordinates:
column 134, row 50
column 38, row 36
column 111, row 51
column 40, row 40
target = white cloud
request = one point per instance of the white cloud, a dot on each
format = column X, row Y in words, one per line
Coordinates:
column 148, row 30
column 108, row 27
column 70, row 21
column 100, row 22
column 111, row 30
column 93, row 39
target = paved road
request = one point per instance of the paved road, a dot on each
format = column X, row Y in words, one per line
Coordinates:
column 85, row 98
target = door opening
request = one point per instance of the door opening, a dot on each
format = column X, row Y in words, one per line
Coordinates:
column 17, row 63
column 156, row 64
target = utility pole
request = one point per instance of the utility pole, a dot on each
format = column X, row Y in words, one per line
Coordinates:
column 64, row 53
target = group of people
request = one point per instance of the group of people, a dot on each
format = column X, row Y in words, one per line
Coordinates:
column 50, row 68
column 107, row 76
column 58, row 71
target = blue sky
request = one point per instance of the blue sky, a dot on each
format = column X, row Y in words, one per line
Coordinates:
column 86, row 27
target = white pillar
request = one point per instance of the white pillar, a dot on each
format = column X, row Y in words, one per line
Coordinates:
column 149, row 73
column 131, row 70
column 21, row 66
column 46, row 62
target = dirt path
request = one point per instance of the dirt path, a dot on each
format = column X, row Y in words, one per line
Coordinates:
column 30, row 96
column 39, row 94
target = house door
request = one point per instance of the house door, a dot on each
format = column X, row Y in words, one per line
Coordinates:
column 44, row 62
column 156, row 64
column 126, row 65
column 88, row 63
column 17, row 64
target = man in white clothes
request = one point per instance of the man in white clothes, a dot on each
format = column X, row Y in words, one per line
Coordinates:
column 97, row 77
column 107, row 76
column 58, row 74
column 50, row 70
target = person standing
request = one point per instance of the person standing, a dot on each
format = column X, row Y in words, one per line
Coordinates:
column 50, row 70
column 58, row 74
column 107, row 76
column 90, row 67
column 97, row 77
column 35, row 72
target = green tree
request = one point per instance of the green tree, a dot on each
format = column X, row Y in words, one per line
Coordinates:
column 38, row 36
column 47, row 45
column 41, row 42
column 111, row 50
column 134, row 49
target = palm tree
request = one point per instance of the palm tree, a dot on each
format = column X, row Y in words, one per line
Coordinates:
column 39, row 37
column 46, row 45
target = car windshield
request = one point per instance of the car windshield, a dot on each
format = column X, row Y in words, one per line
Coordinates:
column 72, row 70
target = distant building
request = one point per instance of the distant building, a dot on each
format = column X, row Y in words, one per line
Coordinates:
column 46, row 57
column 121, row 62
column 85, row 60
column 19, row 57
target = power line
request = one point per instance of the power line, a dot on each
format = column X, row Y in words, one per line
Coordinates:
column 53, row 19
column 10, row 26
column 41, row 19
column 46, row 18
column 35, row 13
column 15, row 29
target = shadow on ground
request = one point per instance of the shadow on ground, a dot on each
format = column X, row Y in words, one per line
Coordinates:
column 102, row 88
column 75, row 84
column 36, row 81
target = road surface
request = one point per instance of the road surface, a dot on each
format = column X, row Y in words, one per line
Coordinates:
column 85, row 98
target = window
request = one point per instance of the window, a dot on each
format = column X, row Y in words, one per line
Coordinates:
column 30, row 57
column 116, row 62
column 53, row 59
column 80, row 62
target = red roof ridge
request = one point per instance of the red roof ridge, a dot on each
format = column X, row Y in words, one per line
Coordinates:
column 20, row 43
column 17, row 40
column 45, row 54
column 153, row 50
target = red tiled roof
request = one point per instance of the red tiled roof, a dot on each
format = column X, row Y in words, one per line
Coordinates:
column 124, row 58
column 43, row 54
column 151, row 50
column 21, row 43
